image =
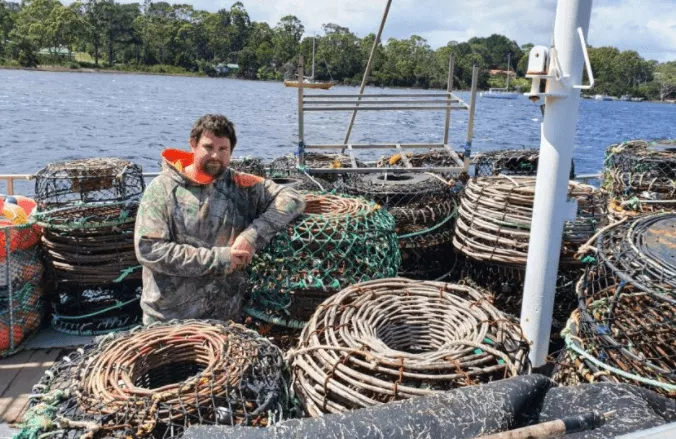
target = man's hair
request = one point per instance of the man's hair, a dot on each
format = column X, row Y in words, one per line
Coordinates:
column 217, row 124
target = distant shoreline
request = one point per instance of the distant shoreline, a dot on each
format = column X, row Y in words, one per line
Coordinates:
column 63, row 69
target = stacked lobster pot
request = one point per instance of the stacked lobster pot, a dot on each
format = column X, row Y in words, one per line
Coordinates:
column 624, row 329
column 640, row 177
column 493, row 231
column 338, row 241
column 423, row 206
column 284, row 170
column 87, row 209
column 509, row 162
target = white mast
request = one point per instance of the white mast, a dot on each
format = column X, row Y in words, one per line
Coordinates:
column 314, row 38
column 551, row 207
column 508, row 58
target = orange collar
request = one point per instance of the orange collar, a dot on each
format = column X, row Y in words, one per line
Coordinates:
column 181, row 161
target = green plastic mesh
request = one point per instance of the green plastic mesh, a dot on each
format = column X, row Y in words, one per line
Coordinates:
column 21, row 291
column 337, row 242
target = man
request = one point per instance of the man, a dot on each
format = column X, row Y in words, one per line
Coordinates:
column 200, row 223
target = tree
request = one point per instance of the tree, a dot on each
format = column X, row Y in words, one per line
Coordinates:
column 665, row 77
column 64, row 26
column 33, row 20
column 7, row 17
column 288, row 33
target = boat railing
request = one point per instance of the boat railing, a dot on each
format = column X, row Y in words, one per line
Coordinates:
column 356, row 102
column 7, row 181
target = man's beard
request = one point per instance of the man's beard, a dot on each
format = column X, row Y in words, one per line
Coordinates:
column 213, row 169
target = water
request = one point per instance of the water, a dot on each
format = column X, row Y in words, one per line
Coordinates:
column 45, row 117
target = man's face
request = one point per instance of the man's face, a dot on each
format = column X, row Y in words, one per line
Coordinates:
column 212, row 154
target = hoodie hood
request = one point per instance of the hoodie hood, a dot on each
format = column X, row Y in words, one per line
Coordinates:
column 175, row 162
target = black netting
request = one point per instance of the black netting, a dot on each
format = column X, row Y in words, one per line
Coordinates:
column 509, row 162
column 640, row 177
column 249, row 165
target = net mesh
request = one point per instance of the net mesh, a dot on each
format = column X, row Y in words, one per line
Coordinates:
column 509, row 162
column 288, row 166
column 21, row 289
column 338, row 241
column 640, row 177
column 424, row 209
column 156, row 381
column 87, row 209
column 393, row 339
column 624, row 329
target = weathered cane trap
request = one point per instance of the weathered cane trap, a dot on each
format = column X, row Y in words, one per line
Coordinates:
column 338, row 241
column 156, row 381
column 87, row 209
column 424, row 208
column 249, row 165
column 21, row 290
column 286, row 167
column 394, row 339
column 641, row 177
column 493, row 231
column 625, row 328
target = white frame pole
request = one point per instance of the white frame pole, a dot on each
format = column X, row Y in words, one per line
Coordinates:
column 551, row 208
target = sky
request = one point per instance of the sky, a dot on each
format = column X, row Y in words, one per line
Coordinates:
column 647, row 26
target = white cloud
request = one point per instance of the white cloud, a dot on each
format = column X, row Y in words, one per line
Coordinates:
column 647, row 27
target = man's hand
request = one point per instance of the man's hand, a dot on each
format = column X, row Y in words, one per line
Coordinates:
column 241, row 253
column 242, row 244
column 238, row 259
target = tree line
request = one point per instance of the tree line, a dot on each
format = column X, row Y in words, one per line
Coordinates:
column 177, row 38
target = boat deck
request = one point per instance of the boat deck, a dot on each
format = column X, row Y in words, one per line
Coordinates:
column 21, row 371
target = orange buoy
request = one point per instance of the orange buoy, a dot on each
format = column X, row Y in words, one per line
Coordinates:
column 6, row 334
column 13, row 217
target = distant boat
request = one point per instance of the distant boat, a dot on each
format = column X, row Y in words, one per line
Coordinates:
column 501, row 93
column 604, row 98
column 625, row 98
column 310, row 82
column 637, row 99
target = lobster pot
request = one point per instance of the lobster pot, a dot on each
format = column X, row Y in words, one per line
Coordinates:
column 509, row 162
column 624, row 329
column 493, row 230
column 336, row 242
column 394, row 339
column 87, row 209
column 640, row 177
column 249, row 165
column 21, row 289
column 84, row 181
column 287, row 166
column 155, row 381
column 424, row 209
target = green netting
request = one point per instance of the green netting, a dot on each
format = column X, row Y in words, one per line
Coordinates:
column 21, row 305
column 338, row 241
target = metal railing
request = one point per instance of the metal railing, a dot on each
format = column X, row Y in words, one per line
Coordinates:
column 446, row 101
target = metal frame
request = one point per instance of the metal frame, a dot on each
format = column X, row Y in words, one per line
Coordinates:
column 446, row 101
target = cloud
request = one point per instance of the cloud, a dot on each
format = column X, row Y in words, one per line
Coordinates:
column 647, row 27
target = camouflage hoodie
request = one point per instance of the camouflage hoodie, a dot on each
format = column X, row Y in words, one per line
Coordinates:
column 183, row 233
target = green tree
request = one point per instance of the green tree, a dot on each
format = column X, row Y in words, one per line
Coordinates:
column 286, row 40
column 665, row 78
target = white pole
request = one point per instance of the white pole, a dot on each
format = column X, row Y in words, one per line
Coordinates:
column 509, row 55
column 314, row 39
column 556, row 151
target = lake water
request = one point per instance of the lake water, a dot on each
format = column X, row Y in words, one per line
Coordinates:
column 45, row 117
